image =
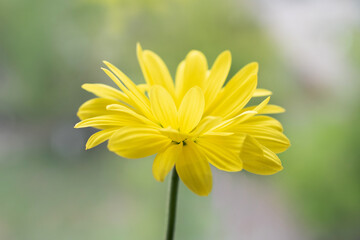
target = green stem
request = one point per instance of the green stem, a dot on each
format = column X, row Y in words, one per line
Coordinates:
column 174, row 186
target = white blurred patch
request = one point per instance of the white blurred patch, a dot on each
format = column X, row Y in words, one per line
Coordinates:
column 314, row 37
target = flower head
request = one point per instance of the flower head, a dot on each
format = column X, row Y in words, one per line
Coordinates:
column 190, row 124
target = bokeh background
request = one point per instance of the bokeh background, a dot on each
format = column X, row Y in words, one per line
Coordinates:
column 51, row 188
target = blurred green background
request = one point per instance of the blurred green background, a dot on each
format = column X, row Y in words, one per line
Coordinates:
column 50, row 188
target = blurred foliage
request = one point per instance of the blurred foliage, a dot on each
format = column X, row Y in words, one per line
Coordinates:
column 51, row 191
column 56, row 46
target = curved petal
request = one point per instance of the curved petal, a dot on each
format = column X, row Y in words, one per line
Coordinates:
column 105, row 91
column 257, row 109
column 179, row 80
column 126, row 110
column 139, row 53
column 108, row 121
column 236, row 94
column 191, row 109
column 163, row 107
column 271, row 138
column 222, row 151
column 136, row 96
column 217, row 77
column 100, row 137
column 165, row 161
column 125, row 80
column 231, row 124
column 194, row 170
column 95, row 107
column 154, row 69
column 260, row 92
column 264, row 121
column 268, row 109
column 206, row 124
column 259, row 159
column 195, row 70
column 137, row 142
column 143, row 87
column 158, row 71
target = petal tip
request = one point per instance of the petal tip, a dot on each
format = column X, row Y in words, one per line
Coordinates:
column 85, row 85
column 89, row 145
column 111, row 107
column 157, row 178
column 204, row 194
column 138, row 46
column 267, row 100
column 197, row 89
column 195, row 53
column 255, row 64
column 227, row 53
column 108, row 64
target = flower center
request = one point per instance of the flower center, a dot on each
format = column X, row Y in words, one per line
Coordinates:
column 175, row 135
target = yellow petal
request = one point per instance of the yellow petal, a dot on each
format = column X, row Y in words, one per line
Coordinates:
column 107, row 121
column 258, row 109
column 264, row 121
column 143, row 87
column 165, row 161
column 260, row 92
column 191, row 109
column 222, row 151
column 137, row 97
column 163, row 107
column 126, row 82
column 179, row 81
column 236, row 93
column 232, row 123
column 217, row 77
column 206, row 124
column 158, row 71
column 174, row 135
column 137, row 142
column 127, row 110
column 271, row 138
column 94, row 107
column 139, row 53
column 194, row 170
column 100, row 137
column 259, row 159
column 195, row 70
column 268, row 109
column 105, row 91
column 250, row 147
column 211, row 133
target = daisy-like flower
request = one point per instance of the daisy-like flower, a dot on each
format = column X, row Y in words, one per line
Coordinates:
column 192, row 124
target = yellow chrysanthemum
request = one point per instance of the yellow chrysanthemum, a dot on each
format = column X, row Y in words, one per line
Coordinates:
column 190, row 124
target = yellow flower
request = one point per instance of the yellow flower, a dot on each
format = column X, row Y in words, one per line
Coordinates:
column 190, row 124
